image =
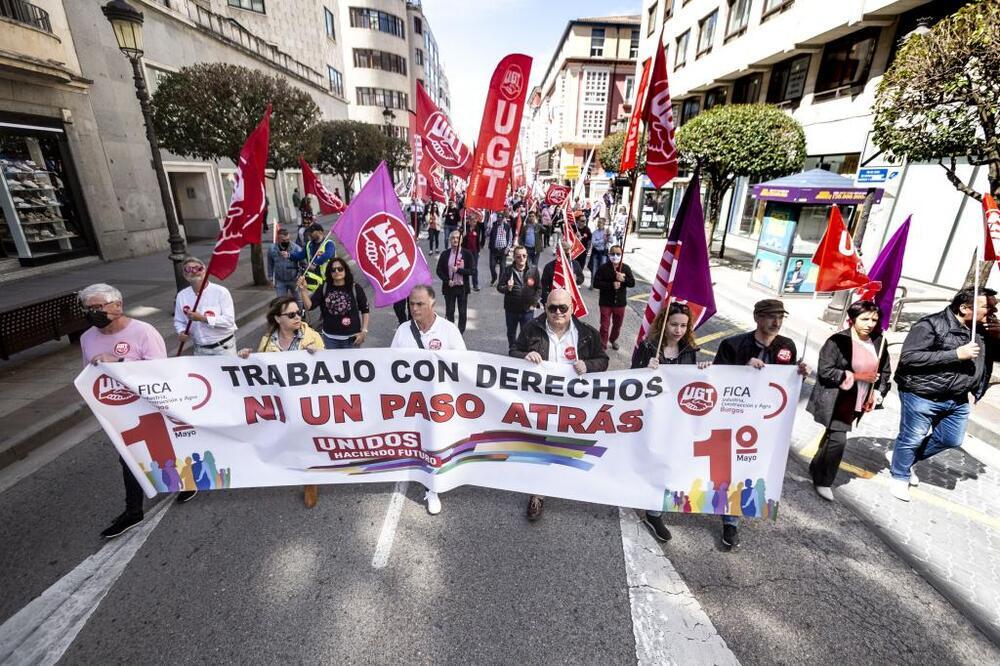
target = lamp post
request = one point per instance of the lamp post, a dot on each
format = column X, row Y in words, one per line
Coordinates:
column 126, row 21
column 388, row 116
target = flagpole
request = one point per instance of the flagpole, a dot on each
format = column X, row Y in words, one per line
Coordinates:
column 668, row 294
column 197, row 300
column 635, row 188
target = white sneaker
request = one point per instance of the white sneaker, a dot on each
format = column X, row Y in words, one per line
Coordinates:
column 433, row 503
column 914, row 481
column 900, row 489
column 826, row 492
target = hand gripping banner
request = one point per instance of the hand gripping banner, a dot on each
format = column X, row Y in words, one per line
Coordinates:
column 675, row 439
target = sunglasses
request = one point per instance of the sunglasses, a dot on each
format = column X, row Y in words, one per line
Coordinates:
column 615, row 254
column 295, row 314
column 336, row 269
column 560, row 308
column 193, row 269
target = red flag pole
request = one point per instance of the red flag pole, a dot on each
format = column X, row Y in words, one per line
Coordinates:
column 667, row 295
column 197, row 300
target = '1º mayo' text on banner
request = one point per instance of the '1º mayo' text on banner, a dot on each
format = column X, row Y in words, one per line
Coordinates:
column 677, row 438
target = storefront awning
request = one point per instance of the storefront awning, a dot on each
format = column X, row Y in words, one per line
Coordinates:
column 817, row 186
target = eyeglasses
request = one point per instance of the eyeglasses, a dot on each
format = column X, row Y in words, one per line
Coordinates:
column 97, row 308
column 337, row 269
column 193, row 269
column 560, row 308
column 295, row 314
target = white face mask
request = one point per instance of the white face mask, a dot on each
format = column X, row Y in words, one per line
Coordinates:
column 615, row 258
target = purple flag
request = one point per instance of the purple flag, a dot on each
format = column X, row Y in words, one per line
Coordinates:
column 692, row 279
column 374, row 234
column 884, row 275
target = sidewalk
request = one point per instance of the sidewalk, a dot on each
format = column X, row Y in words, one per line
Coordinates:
column 37, row 397
column 950, row 531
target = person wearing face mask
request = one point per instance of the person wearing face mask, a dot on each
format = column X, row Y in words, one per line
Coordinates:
column 213, row 326
column 613, row 280
column 282, row 270
column 852, row 377
column 115, row 338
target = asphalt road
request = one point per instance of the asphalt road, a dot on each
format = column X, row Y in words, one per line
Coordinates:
column 251, row 576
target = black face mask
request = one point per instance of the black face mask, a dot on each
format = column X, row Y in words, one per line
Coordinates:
column 98, row 318
column 284, row 245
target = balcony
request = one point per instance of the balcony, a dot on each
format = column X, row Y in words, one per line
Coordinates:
column 20, row 11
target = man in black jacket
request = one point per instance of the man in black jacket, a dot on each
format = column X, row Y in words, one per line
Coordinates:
column 559, row 337
column 758, row 348
column 548, row 273
column 455, row 268
column 501, row 238
column 939, row 367
column 519, row 284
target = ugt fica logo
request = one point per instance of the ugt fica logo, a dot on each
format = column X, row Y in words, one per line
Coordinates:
column 386, row 251
column 697, row 398
column 110, row 391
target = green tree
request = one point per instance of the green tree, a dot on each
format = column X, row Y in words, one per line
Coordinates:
column 940, row 99
column 609, row 153
column 206, row 111
column 396, row 153
column 754, row 140
column 349, row 148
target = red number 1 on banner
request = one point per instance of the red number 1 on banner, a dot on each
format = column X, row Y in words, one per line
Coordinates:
column 152, row 430
column 718, row 448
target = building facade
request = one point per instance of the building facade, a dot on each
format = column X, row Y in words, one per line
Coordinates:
column 585, row 90
column 821, row 62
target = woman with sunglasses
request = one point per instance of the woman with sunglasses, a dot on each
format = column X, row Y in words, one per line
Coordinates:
column 676, row 347
column 286, row 331
column 342, row 304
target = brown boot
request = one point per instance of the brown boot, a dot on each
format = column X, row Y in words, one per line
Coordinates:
column 309, row 495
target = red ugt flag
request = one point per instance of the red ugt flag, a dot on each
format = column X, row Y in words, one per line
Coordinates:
column 631, row 148
column 572, row 237
column 493, row 160
column 840, row 266
column 440, row 141
column 329, row 202
column 246, row 209
column 556, row 194
column 563, row 278
column 991, row 218
column 661, row 150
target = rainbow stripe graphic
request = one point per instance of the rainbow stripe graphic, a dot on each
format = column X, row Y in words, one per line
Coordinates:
column 490, row 446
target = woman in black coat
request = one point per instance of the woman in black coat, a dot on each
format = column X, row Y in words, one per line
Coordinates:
column 852, row 377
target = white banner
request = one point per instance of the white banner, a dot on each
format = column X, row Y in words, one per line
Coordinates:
column 677, row 438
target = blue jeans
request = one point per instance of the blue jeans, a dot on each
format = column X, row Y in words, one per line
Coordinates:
column 597, row 259
column 330, row 343
column 286, row 288
column 514, row 320
column 944, row 419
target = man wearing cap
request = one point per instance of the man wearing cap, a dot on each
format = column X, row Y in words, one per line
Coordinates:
column 758, row 348
column 317, row 252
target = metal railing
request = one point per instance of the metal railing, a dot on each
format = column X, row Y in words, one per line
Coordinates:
column 26, row 13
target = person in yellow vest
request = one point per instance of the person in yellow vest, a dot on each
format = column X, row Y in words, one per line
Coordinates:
column 322, row 250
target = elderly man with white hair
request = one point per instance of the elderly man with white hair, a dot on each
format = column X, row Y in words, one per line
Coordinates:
column 212, row 327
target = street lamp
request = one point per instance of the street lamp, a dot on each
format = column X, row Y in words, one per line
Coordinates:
column 126, row 21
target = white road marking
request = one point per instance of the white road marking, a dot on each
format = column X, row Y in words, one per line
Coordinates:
column 41, row 632
column 388, row 534
column 669, row 624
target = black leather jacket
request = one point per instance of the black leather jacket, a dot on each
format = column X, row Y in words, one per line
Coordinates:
column 533, row 338
column 739, row 349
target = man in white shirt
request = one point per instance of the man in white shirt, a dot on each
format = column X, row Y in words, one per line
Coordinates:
column 426, row 330
column 213, row 324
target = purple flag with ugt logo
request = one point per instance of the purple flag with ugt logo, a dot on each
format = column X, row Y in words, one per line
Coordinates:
column 380, row 242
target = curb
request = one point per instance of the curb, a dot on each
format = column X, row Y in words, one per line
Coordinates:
column 73, row 415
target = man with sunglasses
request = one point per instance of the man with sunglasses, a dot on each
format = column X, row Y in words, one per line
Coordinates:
column 213, row 324
column 558, row 337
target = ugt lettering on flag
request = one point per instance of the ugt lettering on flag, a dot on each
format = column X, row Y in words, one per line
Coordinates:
column 374, row 234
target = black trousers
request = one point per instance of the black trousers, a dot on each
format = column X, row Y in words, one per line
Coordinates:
column 461, row 298
column 402, row 311
column 826, row 462
column 498, row 259
column 134, row 495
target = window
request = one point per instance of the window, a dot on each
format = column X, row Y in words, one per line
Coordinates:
column 418, row 25
column 595, row 87
column 633, row 47
column 774, row 6
column 336, row 81
column 330, row 30
column 739, row 17
column 689, row 109
column 651, row 22
column 362, row 17
column 846, row 61
column 668, row 9
column 715, row 97
column 788, row 80
column 419, row 56
column 706, row 33
column 629, row 88
column 387, row 62
column 746, row 90
column 592, row 126
column 596, row 42
column 680, row 58
column 251, row 5
column 382, row 97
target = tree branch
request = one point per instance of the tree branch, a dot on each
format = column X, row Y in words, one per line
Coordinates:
column 950, row 174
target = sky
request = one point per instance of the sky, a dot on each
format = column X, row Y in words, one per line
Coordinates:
column 473, row 35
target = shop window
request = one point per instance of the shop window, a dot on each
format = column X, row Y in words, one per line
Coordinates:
column 739, row 18
column 746, row 90
column 39, row 217
column 251, row 5
column 844, row 165
column 788, row 80
column 846, row 61
column 706, row 33
column 680, row 58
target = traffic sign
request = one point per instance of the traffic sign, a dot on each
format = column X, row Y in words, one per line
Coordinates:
column 876, row 174
column 571, row 171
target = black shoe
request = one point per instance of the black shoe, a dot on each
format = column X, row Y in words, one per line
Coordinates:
column 186, row 496
column 122, row 524
column 614, row 345
column 730, row 536
column 657, row 527
column 475, row 289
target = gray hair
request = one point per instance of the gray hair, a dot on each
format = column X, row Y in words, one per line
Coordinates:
column 109, row 293
column 192, row 260
column 427, row 289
